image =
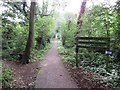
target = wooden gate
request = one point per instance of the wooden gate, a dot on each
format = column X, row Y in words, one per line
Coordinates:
column 92, row 43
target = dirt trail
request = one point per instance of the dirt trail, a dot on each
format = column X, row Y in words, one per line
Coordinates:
column 53, row 74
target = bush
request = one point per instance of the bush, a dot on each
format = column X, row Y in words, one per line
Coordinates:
column 7, row 75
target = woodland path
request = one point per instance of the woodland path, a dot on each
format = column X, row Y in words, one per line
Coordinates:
column 53, row 74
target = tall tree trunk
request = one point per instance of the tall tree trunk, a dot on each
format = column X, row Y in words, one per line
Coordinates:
column 28, row 49
column 82, row 10
column 79, row 24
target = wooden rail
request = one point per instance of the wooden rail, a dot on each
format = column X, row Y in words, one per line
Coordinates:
column 92, row 43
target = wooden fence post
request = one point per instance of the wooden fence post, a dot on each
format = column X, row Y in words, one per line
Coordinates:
column 108, row 57
column 77, row 49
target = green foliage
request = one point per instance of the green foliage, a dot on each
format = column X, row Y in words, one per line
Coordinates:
column 98, row 21
column 95, row 62
column 15, row 33
column 67, row 55
column 67, row 31
column 39, row 54
column 44, row 26
column 13, row 41
column 7, row 75
column 117, row 24
column 103, row 20
column 92, row 59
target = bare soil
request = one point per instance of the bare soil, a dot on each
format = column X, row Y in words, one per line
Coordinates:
column 84, row 78
column 24, row 75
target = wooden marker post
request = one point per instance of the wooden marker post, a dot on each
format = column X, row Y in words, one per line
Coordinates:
column 77, row 49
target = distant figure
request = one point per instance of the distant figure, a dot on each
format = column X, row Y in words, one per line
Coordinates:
column 48, row 40
column 56, row 36
column 39, row 39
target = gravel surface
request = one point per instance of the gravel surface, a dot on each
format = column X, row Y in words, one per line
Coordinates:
column 53, row 74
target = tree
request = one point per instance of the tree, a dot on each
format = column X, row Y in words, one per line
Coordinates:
column 82, row 10
column 117, row 31
column 68, row 29
column 18, row 9
column 28, row 49
column 14, row 32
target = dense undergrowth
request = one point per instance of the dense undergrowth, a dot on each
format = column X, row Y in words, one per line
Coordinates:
column 39, row 54
column 98, row 21
column 8, row 74
column 94, row 62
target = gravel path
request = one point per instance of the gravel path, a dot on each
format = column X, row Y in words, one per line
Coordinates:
column 53, row 74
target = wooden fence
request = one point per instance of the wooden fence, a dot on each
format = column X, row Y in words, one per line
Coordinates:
column 92, row 43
